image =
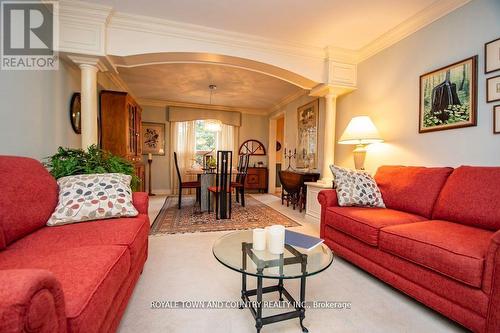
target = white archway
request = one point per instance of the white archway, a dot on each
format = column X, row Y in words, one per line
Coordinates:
column 214, row 59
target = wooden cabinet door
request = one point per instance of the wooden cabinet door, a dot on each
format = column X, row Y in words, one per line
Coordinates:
column 130, row 129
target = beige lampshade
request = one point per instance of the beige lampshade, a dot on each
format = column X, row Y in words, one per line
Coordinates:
column 360, row 130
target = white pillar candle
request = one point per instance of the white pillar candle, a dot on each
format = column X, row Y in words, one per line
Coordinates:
column 276, row 235
column 150, row 156
column 259, row 239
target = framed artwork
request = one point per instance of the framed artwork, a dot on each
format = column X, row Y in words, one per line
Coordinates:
column 153, row 138
column 75, row 113
column 307, row 135
column 496, row 119
column 492, row 56
column 493, row 89
column 448, row 97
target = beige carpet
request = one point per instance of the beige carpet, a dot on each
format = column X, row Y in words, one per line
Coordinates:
column 182, row 267
column 255, row 214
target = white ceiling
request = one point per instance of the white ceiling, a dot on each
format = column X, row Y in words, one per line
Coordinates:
column 189, row 83
column 339, row 23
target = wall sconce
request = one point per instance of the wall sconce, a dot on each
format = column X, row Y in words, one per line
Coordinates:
column 360, row 132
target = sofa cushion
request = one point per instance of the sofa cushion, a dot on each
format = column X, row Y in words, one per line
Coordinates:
column 411, row 189
column 471, row 196
column 356, row 188
column 130, row 232
column 90, row 278
column 455, row 250
column 92, row 197
column 365, row 223
column 28, row 197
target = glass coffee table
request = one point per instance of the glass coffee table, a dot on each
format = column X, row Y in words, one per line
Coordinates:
column 235, row 251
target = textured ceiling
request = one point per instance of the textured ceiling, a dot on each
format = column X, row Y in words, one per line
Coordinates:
column 189, row 83
column 340, row 23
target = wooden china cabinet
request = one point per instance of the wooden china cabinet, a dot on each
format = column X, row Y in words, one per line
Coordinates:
column 120, row 129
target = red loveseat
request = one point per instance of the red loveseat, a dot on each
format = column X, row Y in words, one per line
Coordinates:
column 71, row 278
column 438, row 240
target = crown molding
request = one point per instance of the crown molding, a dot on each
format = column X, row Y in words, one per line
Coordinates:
column 182, row 30
column 166, row 103
column 418, row 21
column 84, row 11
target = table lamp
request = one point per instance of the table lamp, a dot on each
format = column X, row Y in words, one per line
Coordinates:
column 360, row 132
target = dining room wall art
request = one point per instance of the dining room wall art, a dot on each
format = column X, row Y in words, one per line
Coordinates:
column 153, row 138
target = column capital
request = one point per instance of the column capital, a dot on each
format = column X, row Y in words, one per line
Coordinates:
column 330, row 90
column 101, row 64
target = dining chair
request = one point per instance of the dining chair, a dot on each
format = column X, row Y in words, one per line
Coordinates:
column 239, row 184
column 222, row 188
column 292, row 189
column 192, row 184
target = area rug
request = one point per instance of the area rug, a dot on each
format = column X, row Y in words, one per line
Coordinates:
column 189, row 219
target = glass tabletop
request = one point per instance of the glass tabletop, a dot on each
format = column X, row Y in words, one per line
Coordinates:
column 235, row 251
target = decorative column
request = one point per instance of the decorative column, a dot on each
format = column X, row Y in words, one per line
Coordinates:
column 329, row 137
column 330, row 93
column 89, row 66
column 89, row 105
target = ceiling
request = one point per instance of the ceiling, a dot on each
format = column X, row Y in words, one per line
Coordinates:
column 338, row 23
column 189, row 83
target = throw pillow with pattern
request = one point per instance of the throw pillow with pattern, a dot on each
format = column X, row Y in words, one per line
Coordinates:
column 93, row 197
column 356, row 188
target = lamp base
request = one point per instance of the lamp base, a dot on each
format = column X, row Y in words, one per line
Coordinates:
column 359, row 157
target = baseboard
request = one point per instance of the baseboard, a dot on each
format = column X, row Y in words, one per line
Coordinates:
column 162, row 191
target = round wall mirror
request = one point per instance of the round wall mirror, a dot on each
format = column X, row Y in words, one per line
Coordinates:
column 75, row 113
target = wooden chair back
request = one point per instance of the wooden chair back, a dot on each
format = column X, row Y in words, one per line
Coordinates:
column 177, row 168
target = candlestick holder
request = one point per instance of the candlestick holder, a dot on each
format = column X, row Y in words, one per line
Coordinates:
column 150, row 190
column 289, row 155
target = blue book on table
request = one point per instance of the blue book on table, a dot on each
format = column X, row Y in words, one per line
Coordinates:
column 300, row 240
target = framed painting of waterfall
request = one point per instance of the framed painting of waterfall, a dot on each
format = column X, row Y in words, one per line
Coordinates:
column 448, row 97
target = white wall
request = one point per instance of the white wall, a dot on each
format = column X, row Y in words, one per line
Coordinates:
column 34, row 111
column 161, row 164
column 388, row 91
column 255, row 127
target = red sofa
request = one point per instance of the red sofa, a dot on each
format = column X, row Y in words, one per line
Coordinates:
column 438, row 240
column 72, row 278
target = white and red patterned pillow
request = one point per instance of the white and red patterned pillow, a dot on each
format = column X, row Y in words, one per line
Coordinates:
column 356, row 188
column 93, row 197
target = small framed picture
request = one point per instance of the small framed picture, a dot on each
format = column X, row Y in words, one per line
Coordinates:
column 496, row 119
column 493, row 89
column 153, row 138
column 492, row 56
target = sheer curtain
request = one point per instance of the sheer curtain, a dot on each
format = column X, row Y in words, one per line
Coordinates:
column 227, row 139
column 182, row 141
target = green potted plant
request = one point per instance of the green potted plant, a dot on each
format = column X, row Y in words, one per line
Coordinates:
column 68, row 162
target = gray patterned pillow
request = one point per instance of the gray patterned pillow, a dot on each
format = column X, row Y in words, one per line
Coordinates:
column 93, row 197
column 356, row 188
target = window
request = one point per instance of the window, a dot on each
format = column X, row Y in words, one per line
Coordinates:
column 205, row 141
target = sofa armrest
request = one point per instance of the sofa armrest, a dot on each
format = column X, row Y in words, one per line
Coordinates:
column 141, row 202
column 31, row 300
column 326, row 198
column 491, row 284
